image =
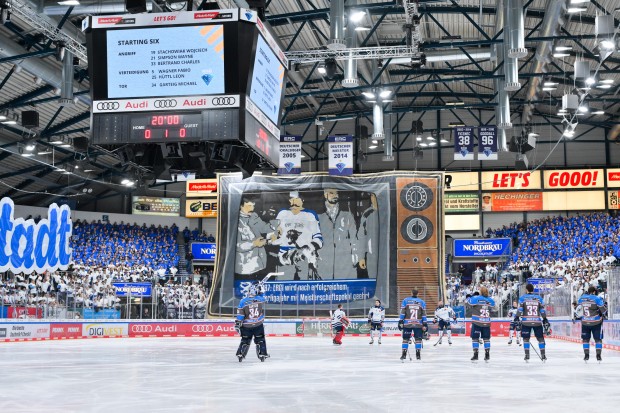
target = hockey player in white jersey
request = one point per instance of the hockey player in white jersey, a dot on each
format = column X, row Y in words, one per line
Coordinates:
column 515, row 327
column 299, row 238
column 376, row 316
column 444, row 315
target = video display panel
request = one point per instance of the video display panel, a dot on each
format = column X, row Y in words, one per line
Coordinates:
column 166, row 61
column 267, row 81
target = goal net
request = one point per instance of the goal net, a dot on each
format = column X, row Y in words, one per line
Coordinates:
column 316, row 327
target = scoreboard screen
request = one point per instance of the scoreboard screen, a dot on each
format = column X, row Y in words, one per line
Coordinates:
column 267, row 81
column 166, row 61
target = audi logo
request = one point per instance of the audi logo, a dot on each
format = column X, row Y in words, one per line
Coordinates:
column 141, row 329
column 165, row 103
column 202, row 328
column 223, row 101
column 108, row 105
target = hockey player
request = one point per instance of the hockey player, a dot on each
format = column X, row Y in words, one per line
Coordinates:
column 481, row 322
column 339, row 323
column 249, row 323
column 376, row 316
column 515, row 327
column 412, row 320
column 534, row 317
column 594, row 312
column 444, row 315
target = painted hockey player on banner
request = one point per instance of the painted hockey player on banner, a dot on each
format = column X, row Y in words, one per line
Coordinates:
column 339, row 253
column 249, row 323
column 515, row 327
column 594, row 312
column 252, row 236
column 376, row 316
column 412, row 321
column 444, row 316
column 339, row 323
column 299, row 238
column 533, row 316
column 481, row 306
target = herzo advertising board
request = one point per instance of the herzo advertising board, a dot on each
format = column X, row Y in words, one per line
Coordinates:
column 486, row 248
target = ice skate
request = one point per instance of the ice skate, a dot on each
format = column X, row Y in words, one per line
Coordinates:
column 527, row 357
column 519, row 343
column 586, row 357
column 487, row 355
column 379, row 342
column 450, row 342
column 373, row 341
column 510, row 341
column 403, row 356
column 417, row 355
column 599, row 358
column 475, row 356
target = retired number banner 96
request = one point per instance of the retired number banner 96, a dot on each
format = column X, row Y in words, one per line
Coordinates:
column 290, row 155
column 487, row 143
column 340, row 155
column 463, row 143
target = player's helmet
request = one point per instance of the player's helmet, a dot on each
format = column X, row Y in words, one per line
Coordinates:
column 255, row 289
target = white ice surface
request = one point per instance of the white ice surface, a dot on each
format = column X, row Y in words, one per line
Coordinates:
column 303, row 375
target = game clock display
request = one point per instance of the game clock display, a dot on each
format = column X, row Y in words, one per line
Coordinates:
column 166, row 127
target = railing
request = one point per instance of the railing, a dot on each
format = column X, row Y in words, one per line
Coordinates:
column 613, row 294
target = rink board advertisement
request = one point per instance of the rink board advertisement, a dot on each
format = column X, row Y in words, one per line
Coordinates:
column 328, row 238
column 20, row 312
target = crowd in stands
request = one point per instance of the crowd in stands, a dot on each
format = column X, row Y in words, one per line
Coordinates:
column 195, row 235
column 99, row 244
column 104, row 253
column 576, row 251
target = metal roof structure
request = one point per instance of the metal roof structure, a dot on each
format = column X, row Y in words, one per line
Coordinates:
column 458, row 84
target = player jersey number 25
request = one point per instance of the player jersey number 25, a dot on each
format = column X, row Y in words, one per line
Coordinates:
column 484, row 312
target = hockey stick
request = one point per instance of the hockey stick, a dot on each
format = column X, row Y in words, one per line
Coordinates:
column 537, row 353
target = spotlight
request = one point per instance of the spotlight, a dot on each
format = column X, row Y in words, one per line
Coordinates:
column 60, row 51
column 356, row 16
column 322, row 70
column 30, row 146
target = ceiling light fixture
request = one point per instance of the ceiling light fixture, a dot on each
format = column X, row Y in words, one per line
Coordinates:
column 356, row 16
column 322, row 70
column 385, row 93
column 561, row 54
column 563, row 48
column 605, row 86
column 590, row 81
column 369, row 95
column 69, row 3
column 598, row 112
column 572, row 10
column 30, row 146
column 606, row 81
column 362, row 28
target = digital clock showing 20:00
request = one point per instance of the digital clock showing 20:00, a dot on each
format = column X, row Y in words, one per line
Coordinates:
column 166, row 127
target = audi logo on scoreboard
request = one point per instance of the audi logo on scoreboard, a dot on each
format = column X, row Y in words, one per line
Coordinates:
column 165, row 103
column 176, row 103
column 107, row 106
column 223, row 101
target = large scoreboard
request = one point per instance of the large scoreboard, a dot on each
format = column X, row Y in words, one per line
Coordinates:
column 215, row 75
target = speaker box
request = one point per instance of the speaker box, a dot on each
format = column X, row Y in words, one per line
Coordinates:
column 80, row 143
column 135, row 6
column 30, row 119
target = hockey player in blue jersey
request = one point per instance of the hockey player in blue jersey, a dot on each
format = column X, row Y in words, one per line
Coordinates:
column 594, row 312
column 249, row 323
column 481, row 322
column 376, row 316
column 533, row 316
column 412, row 320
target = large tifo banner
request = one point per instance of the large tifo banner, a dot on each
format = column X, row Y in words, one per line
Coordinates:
column 482, row 247
column 329, row 239
column 26, row 246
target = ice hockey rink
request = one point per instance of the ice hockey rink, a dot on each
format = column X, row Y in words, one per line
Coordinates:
column 303, row 375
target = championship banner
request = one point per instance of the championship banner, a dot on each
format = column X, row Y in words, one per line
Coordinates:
column 340, row 155
column 490, row 247
column 487, row 143
column 464, row 143
column 456, row 203
column 512, row 201
column 290, row 155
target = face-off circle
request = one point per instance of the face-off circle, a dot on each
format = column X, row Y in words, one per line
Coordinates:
column 416, row 196
column 417, row 229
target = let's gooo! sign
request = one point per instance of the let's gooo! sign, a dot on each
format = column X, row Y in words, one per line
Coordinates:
column 575, row 178
column 26, row 246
